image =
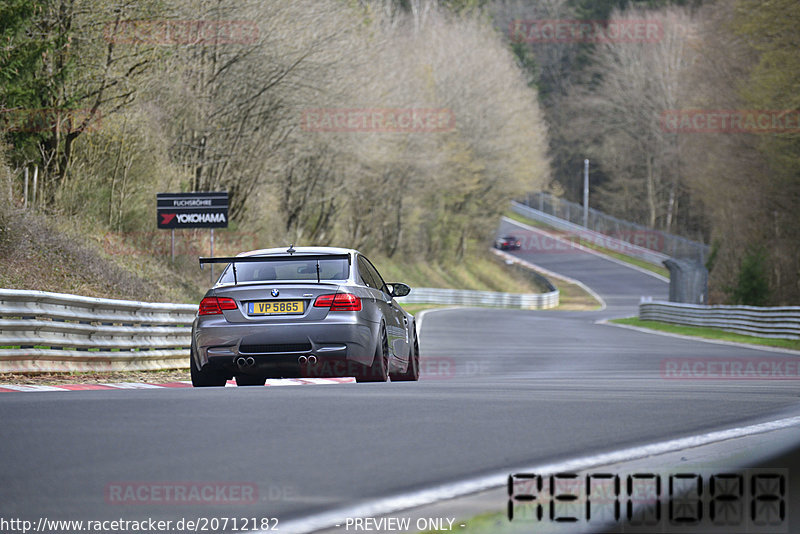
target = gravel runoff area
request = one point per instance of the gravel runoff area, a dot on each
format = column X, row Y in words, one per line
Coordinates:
column 52, row 379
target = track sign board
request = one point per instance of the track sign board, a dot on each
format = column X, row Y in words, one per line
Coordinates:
column 192, row 210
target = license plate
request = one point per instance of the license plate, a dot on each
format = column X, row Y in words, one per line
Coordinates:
column 276, row 307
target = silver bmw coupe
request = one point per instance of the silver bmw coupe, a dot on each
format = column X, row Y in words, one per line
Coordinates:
column 304, row 312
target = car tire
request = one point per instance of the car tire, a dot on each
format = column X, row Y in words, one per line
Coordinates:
column 250, row 380
column 379, row 370
column 206, row 377
column 412, row 371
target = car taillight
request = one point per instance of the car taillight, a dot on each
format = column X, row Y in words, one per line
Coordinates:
column 346, row 302
column 215, row 305
column 338, row 302
column 324, row 301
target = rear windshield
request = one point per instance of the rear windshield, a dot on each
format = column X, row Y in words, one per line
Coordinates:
column 333, row 269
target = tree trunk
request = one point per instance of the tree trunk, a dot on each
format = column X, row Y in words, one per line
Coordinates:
column 651, row 192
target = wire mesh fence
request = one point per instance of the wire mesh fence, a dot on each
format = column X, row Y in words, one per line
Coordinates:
column 636, row 234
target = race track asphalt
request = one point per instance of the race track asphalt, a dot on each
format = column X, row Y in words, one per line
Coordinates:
column 502, row 389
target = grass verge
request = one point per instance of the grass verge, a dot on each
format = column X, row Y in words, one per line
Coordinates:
column 490, row 523
column 579, row 241
column 709, row 333
column 574, row 298
column 38, row 251
column 478, row 272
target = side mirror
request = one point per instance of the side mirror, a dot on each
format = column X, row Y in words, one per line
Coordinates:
column 399, row 290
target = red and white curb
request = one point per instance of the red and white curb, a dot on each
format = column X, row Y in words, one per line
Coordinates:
column 9, row 388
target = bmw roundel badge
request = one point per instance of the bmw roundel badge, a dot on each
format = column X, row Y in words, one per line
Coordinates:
column 275, row 292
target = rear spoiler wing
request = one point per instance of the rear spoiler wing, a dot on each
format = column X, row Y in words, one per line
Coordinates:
column 233, row 260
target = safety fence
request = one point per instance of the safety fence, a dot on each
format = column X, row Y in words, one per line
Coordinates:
column 42, row 331
column 774, row 322
column 583, row 236
column 669, row 245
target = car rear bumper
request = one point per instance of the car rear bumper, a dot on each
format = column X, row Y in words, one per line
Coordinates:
column 285, row 349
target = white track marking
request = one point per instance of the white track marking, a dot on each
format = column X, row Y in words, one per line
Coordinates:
column 555, row 275
column 27, row 388
column 141, row 385
column 421, row 315
column 131, row 385
column 698, row 338
column 589, row 250
column 386, row 505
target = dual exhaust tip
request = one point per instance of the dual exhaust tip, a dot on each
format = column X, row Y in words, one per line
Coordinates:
column 242, row 362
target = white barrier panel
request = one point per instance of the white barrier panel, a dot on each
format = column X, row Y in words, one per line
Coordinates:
column 464, row 297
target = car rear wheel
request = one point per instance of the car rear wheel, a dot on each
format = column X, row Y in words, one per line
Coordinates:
column 412, row 371
column 205, row 377
column 250, row 380
column 379, row 370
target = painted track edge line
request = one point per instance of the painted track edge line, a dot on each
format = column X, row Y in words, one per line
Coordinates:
column 396, row 503
column 589, row 250
column 421, row 315
column 765, row 348
column 553, row 274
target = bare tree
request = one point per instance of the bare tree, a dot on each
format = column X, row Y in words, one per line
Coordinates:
column 445, row 186
column 624, row 114
column 237, row 104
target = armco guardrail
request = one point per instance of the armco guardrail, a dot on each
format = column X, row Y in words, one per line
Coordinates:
column 42, row 331
column 51, row 332
column 777, row 322
column 582, row 233
column 464, row 297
